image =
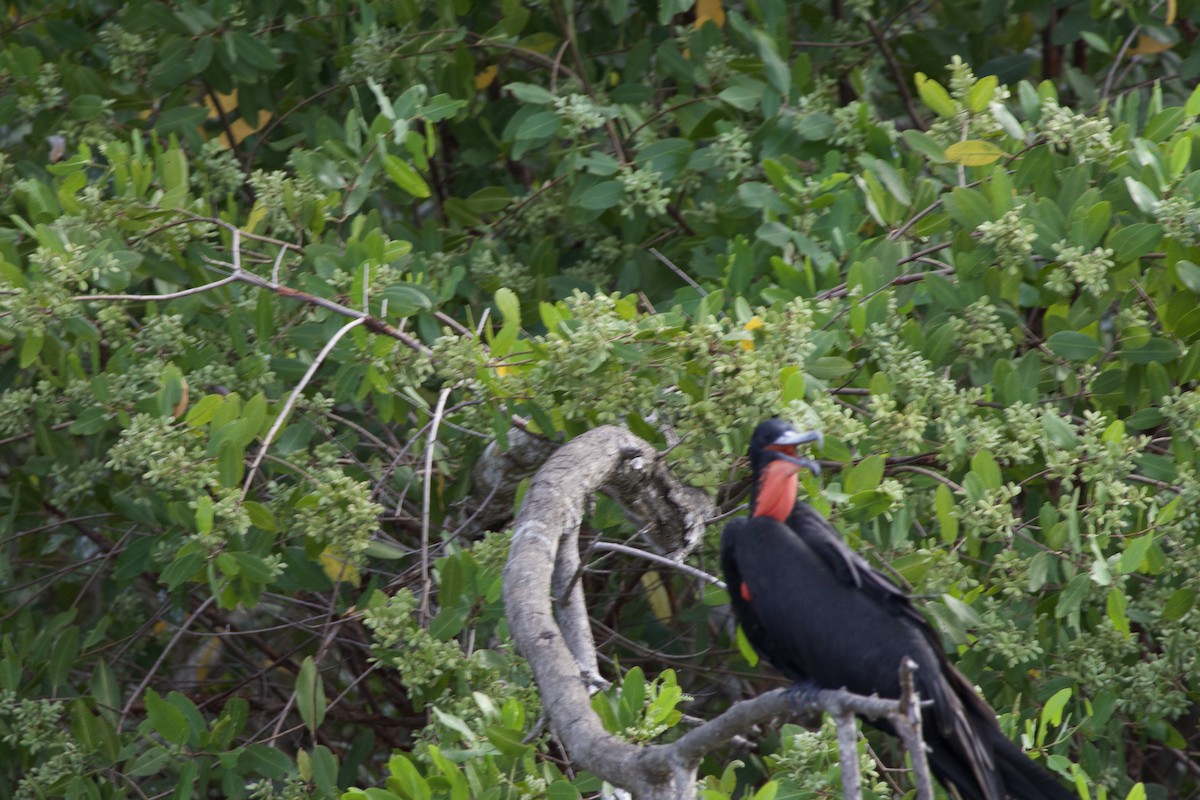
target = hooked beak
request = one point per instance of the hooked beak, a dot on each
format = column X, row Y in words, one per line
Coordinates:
column 792, row 439
column 807, row 463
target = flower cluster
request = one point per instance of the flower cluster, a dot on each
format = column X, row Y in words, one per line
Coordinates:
column 1010, row 237
column 811, row 759
column 164, row 455
column 644, row 192
column 1090, row 138
column 1000, row 638
column 491, row 269
column 128, row 52
column 403, row 644
column 1088, row 270
column 580, row 113
column 338, row 512
column 980, row 330
column 731, row 153
column 280, row 196
column 1180, row 216
column 374, row 53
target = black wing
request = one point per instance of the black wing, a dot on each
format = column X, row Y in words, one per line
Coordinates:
column 815, row 609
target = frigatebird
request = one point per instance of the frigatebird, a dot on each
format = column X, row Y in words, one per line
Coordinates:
column 825, row 618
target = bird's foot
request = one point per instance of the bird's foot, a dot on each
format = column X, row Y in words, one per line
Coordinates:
column 803, row 695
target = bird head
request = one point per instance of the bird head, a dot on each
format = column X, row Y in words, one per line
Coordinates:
column 775, row 463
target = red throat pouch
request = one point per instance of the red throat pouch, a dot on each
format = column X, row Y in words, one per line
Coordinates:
column 777, row 490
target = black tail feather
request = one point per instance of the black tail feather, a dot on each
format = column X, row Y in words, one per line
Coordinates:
column 1025, row 779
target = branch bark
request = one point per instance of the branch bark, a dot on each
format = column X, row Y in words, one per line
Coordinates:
column 550, row 626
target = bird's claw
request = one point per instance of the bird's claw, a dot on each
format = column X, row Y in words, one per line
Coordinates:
column 803, row 695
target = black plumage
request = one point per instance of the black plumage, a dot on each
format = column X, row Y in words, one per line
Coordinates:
column 819, row 612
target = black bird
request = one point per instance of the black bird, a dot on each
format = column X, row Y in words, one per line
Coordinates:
column 823, row 616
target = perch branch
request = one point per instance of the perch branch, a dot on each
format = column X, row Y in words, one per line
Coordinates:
column 557, row 642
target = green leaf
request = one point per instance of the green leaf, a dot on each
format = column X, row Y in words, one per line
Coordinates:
column 1155, row 349
column 265, row 760
column 509, row 305
column 983, row 465
column 1074, row 346
column 934, row 95
column 1179, row 603
column 385, row 551
column 777, row 72
column 310, row 694
column 1052, row 712
column 253, row 51
column 793, row 387
column 744, row 647
column 981, row 93
column 865, row 475
column 166, row 720
column 1165, row 123
column 184, row 567
column 106, row 691
column 943, row 504
column 1072, row 596
column 260, row 516
column 1142, row 196
column 538, row 126
column 204, row 514
column 405, row 176
column 925, row 144
column 1135, row 553
column 62, row 657
column 530, row 93
column 507, row 741
column 1189, row 275
column 253, row 568
column 203, row 411
column 86, row 107
column 602, row 196
column 1115, row 607
column 743, row 96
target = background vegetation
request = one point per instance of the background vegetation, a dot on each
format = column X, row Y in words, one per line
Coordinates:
column 273, row 275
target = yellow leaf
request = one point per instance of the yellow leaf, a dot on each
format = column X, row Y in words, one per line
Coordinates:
column 1171, row 9
column 206, row 656
column 752, row 324
column 223, row 104
column 338, row 568
column 973, row 153
column 485, row 78
column 1148, row 46
column 710, row 10
column 502, row 370
column 656, row 594
column 257, row 215
column 182, row 405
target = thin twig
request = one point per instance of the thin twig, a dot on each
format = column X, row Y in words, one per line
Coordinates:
column 1112, row 70
column 426, row 581
column 686, row 569
column 235, row 277
column 291, row 401
column 687, row 278
column 141, row 687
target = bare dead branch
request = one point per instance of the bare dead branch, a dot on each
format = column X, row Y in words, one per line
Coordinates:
column 557, row 641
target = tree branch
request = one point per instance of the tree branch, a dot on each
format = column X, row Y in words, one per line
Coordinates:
column 542, row 562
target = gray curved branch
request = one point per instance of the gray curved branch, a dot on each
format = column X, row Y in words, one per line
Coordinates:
column 549, row 622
